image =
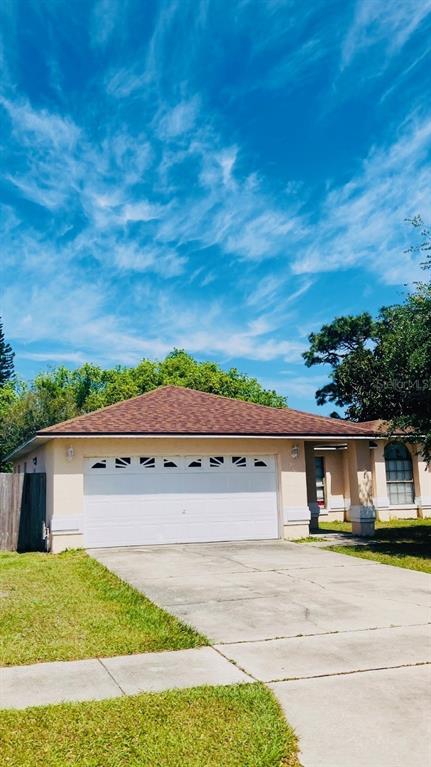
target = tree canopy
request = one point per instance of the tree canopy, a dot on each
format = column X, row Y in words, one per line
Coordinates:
column 381, row 367
column 62, row 393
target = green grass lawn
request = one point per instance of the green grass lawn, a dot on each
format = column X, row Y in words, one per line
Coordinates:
column 400, row 542
column 236, row 726
column 68, row 606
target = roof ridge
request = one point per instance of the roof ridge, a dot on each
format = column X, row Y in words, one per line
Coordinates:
column 259, row 404
column 224, row 396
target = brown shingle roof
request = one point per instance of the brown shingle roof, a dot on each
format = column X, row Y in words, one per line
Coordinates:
column 378, row 425
column 177, row 410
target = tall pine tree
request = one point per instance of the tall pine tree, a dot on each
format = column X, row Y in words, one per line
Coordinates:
column 6, row 358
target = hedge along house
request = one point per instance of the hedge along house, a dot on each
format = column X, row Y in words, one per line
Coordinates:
column 177, row 465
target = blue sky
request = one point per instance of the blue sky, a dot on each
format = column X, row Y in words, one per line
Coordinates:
column 219, row 175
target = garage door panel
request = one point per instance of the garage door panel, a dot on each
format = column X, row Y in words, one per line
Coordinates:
column 182, row 484
column 135, row 508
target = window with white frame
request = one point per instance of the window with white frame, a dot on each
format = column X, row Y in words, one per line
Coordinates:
column 240, row 461
column 399, row 474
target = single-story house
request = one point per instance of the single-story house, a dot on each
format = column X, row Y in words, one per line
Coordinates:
column 176, row 465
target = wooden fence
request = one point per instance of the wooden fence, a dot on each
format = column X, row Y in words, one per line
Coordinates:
column 22, row 512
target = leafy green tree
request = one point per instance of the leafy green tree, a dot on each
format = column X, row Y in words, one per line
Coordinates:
column 61, row 393
column 6, row 358
column 381, row 368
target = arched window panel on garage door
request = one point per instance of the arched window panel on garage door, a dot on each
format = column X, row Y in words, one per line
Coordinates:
column 239, row 461
column 147, row 462
column 123, row 462
column 162, row 463
column 194, row 462
column 216, row 461
column 96, row 464
column 171, row 462
column 260, row 463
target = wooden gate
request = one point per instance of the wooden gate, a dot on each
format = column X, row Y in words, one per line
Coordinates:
column 22, row 512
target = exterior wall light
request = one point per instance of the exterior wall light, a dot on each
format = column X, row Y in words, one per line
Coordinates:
column 294, row 451
column 70, row 453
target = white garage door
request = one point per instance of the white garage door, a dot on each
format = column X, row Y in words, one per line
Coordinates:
column 132, row 501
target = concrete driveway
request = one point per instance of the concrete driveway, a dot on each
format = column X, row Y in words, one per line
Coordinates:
column 341, row 641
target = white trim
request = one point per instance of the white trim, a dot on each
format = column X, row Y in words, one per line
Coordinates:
column 41, row 439
column 381, row 502
column 178, row 435
column 337, row 505
column 279, row 491
column 295, row 515
column 325, row 448
column 67, row 524
column 423, row 500
column 403, row 505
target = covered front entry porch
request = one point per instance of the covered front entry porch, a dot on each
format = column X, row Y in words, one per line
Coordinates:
column 361, row 480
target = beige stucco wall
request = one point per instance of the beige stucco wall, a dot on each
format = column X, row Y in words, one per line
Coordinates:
column 357, row 473
column 65, row 475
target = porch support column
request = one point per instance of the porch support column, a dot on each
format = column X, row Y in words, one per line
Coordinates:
column 362, row 511
column 310, row 470
column 380, row 490
column 346, row 485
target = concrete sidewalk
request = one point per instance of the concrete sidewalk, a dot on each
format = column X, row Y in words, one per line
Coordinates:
column 98, row 678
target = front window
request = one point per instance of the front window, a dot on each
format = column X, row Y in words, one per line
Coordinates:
column 399, row 474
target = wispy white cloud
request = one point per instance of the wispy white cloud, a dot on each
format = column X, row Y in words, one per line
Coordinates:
column 299, row 386
column 164, row 262
column 89, row 327
column 275, row 288
column 362, row 223
column 76, row 358
column 178, row 120
column 141, row 212
column 105, row 19
column 221, row 208
column 386, row 25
